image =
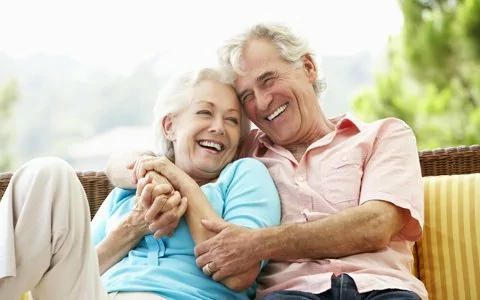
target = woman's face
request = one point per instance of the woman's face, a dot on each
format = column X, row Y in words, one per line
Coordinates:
column 206, row 135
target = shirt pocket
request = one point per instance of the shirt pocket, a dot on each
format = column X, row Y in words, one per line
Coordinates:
column 342, row 177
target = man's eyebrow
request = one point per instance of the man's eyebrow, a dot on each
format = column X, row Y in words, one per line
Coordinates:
column 263, row 76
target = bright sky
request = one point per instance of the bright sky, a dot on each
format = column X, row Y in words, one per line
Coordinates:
column 120, row 34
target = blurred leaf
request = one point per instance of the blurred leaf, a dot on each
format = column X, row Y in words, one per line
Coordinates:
column 434, row 80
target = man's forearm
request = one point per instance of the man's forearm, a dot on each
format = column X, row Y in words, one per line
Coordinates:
column 116, row 168
column 349, row 232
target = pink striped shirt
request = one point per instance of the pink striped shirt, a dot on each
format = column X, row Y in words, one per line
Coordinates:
column 355, row 163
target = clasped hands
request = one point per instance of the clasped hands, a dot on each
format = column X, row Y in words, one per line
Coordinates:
column 159, row 206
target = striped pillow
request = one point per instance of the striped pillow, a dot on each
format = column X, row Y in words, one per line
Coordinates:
column 449, row 253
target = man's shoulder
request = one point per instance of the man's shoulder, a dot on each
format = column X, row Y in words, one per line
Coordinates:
column 387, row 126
column 391, row 122
column 382, row 126
column 388, row 122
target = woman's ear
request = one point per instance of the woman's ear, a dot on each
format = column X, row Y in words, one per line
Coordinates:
column 168, row 128
column 310, row 67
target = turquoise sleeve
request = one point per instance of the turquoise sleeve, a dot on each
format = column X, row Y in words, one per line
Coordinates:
column 99, row 222
column 252, row 199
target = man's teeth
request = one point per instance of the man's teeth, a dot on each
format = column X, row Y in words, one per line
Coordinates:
column 277, row 112
column 217, row 146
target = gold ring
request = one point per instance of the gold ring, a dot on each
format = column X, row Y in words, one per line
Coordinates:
column 207, row 270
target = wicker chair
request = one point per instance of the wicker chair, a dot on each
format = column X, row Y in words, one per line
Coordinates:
column 448, row 161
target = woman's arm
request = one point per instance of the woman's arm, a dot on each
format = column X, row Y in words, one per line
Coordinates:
column 115, row 245
column 200, row 208
column 120, row 241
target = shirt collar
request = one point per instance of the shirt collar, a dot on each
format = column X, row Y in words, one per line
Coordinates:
column 346, row 120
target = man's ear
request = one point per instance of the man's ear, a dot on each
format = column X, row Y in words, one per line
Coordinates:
column 310, row 67
column 168, row 128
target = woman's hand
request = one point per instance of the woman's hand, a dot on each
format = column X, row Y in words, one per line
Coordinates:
column 163, row 206
column 163, row 166
column 135, row 222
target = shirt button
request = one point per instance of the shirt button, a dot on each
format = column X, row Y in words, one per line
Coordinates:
column 344, row 158
column 300, row 178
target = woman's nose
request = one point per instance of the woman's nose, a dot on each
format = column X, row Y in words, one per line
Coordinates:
column 217, row 127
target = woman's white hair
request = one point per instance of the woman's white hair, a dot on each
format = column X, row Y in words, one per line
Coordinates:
column 292, row 48
column 175, row 97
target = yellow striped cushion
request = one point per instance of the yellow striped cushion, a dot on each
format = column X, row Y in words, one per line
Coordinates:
column 449, row 254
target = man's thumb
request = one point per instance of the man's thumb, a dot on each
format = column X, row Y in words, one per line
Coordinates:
column 214, row 226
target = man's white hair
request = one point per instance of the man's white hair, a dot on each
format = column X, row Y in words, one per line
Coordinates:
column 292, row 48
column 175, row 97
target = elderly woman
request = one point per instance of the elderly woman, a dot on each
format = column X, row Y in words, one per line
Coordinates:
column 45, row 231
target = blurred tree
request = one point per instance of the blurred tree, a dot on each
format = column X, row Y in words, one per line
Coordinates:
column 433, row 81
column 8, row 96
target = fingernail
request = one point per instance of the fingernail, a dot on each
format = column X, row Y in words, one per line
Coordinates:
column 152, row 227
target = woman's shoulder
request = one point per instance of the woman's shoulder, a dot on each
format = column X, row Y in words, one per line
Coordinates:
column 247, row 164
column 243, row 169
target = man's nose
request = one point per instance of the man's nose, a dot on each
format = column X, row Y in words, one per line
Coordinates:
column 263, row 101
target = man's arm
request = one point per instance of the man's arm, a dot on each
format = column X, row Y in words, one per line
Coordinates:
column 117, row 171
column 367, row 228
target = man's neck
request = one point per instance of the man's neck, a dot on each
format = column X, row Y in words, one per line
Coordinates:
column 299, row 148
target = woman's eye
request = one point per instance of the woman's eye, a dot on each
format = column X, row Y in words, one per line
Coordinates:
column 233, row 121
column 204, row 112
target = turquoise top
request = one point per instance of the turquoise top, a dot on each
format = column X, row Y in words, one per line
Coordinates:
column 244, row 194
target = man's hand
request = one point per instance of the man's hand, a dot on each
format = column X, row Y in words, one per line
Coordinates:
column 231, row 252
column 135, row 167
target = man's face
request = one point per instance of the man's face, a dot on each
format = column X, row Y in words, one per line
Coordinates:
column 278, row 97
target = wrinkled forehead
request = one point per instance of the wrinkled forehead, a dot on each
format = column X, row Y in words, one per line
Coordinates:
column 258, row 57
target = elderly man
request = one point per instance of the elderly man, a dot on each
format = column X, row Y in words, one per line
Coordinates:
column 352, row 197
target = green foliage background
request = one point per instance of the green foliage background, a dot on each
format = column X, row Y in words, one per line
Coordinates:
column 8, row 96
column 433, row 81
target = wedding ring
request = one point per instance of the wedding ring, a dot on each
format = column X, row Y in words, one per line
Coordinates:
column 206, row 269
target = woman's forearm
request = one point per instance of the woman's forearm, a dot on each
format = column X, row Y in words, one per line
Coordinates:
column 115, row 246
column 199, row 208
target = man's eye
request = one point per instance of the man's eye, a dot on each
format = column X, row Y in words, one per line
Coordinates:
column 268, row 81
column 247, row 98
